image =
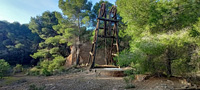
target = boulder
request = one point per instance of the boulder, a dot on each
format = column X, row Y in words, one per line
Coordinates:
column 140, row 77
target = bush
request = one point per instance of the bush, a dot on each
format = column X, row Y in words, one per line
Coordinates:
column 18, row 68
column 128, row 82
column 129, row 78
column 45, row 72
column 47, row 68
column 181, row 67
column 56, row 64
column 34, row 71
column 134, row 59
column 4, row 67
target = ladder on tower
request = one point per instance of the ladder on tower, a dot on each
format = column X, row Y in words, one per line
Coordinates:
column 110, row 32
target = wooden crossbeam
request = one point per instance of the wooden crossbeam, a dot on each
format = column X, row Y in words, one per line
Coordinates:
column 102, row 36
column 104, row 19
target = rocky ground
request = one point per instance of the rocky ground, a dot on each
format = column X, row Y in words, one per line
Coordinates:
column 88, row 81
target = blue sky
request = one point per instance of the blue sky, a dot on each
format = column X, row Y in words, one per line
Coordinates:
column 23, row 10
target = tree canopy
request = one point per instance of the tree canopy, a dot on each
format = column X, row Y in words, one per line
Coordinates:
column 17, row 42
column 163, row 33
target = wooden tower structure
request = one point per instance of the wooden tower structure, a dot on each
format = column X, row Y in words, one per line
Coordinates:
column 110, row 31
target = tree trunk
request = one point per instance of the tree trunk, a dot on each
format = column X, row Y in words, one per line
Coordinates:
column 168, row 63
column 169, row 71
column 78, row 45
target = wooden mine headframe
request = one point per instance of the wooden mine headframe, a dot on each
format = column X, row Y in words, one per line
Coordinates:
column 110, row 28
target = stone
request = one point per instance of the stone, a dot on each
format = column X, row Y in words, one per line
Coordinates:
column 140, row 77
column 185, row 82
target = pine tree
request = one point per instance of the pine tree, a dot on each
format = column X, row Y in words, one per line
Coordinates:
column 78, row 11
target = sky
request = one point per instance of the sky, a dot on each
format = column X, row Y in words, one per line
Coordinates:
column 22, row 10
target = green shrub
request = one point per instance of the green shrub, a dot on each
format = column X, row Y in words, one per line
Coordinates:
column 59, row 70
column 34, row 71
column 128, row 83
column 152, row 53
column 134, row 59
column 129, row 78
column 47, row 68
column 56, row 64
column 18, row 68
column 4, row 67
column 45, row 72
column 180, row 67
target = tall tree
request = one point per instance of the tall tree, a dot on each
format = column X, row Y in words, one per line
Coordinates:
column 54, row 43
column 42, row 25
column 78, row 11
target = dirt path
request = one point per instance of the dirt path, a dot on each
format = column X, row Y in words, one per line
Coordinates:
column 76, row 81
column 85, row 81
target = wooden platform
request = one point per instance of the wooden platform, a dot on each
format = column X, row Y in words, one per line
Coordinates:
column 106, row 66
column 110, row 71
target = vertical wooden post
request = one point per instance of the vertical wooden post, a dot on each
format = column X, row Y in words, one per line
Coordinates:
column 95, row 44
column 114, row 36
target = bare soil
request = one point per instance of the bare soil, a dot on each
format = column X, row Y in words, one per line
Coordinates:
column 88, row 81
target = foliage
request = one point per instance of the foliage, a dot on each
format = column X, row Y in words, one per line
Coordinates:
column 129, row 78
column 51, row 67
column 18, row 68
column 77, row 11
column 48, row 68
column 4, row 67
column 42, row 25
column 126, row 57
column 55, row 39
column 75, row 8
column 128, row 83
column 156, row 16
column 51, row 45
column 17, row 42
column 165, row 31
column 34, row 71
column 61, row 32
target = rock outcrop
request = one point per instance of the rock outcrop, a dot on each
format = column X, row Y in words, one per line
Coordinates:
column 84, row 55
